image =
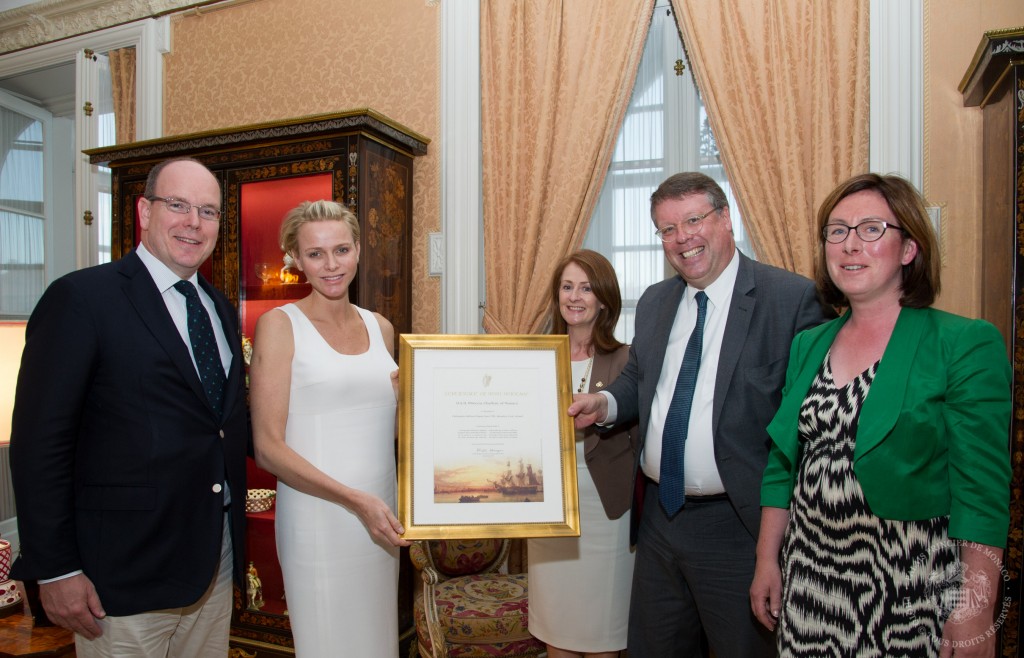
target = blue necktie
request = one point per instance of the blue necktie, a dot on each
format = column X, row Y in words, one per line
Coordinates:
column 204, row 345
column 671, row 487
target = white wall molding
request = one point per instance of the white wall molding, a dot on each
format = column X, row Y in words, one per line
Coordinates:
column 51, row 20
column 897, row 89
column 461, row 179
column 148, row 34
column 154, row 43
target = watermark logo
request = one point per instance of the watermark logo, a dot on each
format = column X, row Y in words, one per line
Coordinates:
column 956, row 591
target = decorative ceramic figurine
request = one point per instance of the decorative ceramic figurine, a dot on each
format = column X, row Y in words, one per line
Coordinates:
column 254, row 588
column 10, row 595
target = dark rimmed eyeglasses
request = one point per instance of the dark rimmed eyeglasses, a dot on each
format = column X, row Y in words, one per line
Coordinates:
column 869, row 230
column 182, row 207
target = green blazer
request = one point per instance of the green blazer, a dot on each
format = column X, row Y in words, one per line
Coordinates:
column 933, row 434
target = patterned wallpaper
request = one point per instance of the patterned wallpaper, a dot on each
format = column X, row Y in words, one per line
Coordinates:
column 267, row 60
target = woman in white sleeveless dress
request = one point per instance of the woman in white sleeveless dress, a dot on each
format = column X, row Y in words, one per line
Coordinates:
column 323, row 406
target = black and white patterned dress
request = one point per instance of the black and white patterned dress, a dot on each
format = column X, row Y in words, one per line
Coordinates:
column 856, row 585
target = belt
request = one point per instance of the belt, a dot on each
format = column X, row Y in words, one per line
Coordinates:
column 713, row 498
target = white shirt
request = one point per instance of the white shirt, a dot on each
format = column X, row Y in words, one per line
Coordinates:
column 700, row 469
column 175, row 302
column 177, row 307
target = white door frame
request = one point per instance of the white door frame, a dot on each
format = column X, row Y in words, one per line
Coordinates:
column 151, row 39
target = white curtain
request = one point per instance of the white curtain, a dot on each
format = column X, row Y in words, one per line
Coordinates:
column 22, row 275
column 665, row 131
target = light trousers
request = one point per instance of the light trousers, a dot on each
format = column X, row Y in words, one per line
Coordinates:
column 197, row 631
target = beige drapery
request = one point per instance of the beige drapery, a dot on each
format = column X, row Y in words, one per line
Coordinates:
column 122, row 84
column 556, row 79
column 786, row 88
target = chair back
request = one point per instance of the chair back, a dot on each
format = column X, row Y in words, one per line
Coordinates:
column 463, row 607
column 461, row 557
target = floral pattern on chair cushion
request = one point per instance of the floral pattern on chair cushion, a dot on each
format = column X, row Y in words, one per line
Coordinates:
column 466, row 649
column 483, row 609
column 483, row 614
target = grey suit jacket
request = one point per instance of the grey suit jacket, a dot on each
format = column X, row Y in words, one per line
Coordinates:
column 769, row 307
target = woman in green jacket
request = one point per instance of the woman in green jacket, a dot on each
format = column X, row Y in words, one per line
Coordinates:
column 886, row 495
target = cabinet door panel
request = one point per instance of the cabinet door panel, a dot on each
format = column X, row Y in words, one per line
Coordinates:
column 262, row 206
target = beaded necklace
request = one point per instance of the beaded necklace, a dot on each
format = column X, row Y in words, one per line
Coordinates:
column 583, row 382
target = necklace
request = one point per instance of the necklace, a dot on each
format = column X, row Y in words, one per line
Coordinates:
column 590, row 362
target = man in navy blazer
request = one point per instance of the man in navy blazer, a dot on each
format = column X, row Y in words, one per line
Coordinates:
column 694, row 565
column 129, row 482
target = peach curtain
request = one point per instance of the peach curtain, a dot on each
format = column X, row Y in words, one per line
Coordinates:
column 786, row 88
column 556, row 79
column 122, row 83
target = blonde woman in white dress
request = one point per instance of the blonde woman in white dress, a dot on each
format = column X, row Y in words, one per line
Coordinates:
column 323, row 407
column 580, row 587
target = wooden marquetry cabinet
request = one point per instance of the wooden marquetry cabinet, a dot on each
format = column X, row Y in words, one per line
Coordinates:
column 359, row 158
column 994, row 83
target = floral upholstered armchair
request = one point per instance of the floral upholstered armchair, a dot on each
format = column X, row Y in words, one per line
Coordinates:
column 466, row 608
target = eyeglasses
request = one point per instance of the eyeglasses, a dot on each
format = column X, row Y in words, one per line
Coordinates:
column 208, row 213
column 689, row 225
column 869, row 230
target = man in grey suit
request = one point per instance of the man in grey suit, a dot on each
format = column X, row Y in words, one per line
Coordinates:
column 725, row 324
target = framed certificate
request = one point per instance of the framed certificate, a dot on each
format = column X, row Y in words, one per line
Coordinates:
column 485, row 446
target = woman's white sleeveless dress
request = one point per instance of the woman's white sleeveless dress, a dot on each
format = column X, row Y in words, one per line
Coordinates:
column 341, row 588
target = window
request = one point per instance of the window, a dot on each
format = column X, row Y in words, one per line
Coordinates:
column 23, row 206
column 665, row 131
column 76, row 244
column 38, row 159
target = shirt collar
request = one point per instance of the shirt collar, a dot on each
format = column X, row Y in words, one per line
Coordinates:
column 162, row 275
column 720, row 290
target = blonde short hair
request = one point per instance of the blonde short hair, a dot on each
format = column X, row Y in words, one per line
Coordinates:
column 314, row 211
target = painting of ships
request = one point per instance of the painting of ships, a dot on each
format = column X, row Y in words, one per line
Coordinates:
column 522, row 483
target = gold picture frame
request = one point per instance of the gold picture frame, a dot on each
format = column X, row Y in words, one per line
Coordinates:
column 482, row 419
